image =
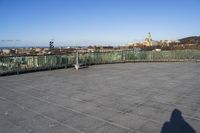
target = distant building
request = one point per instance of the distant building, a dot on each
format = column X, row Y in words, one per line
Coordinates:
column 155, row 43
column 23, row 51
column 148, row 40
column 6, row 51
column 38, row 50
column 90, row 49
column 131, row 44
column 106, row 48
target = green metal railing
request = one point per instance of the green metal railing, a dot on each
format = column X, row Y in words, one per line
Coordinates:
column 16, row 64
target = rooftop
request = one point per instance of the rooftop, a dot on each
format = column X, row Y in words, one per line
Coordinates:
column 114, row 98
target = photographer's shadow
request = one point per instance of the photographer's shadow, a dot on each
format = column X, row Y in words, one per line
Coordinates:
column 177, row 124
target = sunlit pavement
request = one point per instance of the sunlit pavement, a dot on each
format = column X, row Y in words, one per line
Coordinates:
column 115, row 98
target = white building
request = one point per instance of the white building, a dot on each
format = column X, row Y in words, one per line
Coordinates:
column 6, row 51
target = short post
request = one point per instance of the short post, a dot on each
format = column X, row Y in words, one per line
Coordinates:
column 77, row 64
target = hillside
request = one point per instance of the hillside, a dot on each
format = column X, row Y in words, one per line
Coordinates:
column 190, row 40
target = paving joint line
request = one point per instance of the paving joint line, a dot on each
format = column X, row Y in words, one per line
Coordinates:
column 130, row 113
column 109, row 108
column 97, row 118
column 44, row 116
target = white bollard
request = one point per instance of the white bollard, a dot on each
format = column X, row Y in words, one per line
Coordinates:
column 77, row 66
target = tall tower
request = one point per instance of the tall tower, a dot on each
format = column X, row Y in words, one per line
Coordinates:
column 51, row 46
column 149, row 36
column 150, row 39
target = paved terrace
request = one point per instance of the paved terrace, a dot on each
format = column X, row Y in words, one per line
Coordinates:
column 115, row 98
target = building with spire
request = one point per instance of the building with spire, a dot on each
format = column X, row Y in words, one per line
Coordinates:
column 148, row 40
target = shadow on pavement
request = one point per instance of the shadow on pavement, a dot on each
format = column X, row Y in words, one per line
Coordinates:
column 177, row 124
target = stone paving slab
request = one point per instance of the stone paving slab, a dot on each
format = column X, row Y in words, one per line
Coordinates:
column 114, row 98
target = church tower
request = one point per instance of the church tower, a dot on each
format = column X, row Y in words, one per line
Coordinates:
column 148, row 40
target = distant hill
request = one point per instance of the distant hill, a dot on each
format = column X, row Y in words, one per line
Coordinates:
column 190, row 40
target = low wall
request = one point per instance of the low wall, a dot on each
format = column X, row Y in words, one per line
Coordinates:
column 22, row 64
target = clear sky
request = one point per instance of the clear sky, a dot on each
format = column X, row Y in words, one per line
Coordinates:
column 85, row 22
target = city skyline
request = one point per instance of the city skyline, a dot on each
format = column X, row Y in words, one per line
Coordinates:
column 86, row 22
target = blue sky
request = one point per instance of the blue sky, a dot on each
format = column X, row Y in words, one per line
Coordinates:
column 85, row 22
